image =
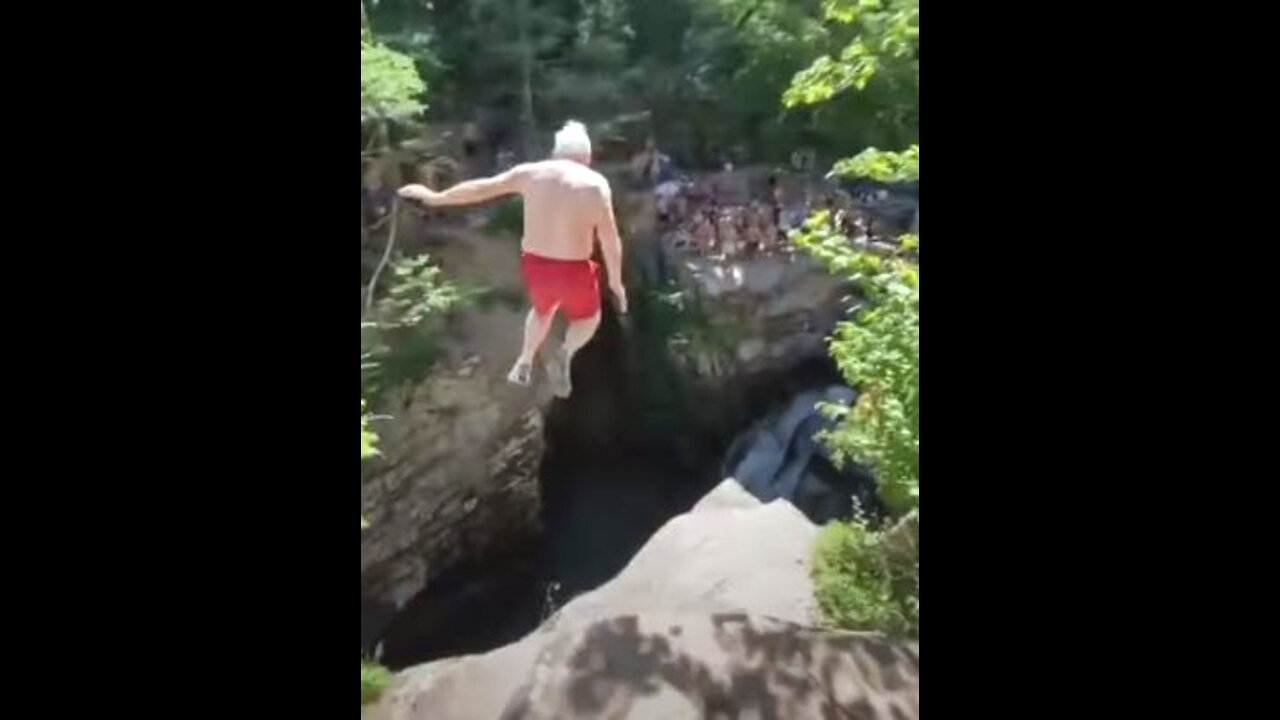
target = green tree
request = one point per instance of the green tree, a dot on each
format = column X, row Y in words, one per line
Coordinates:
column 397, row 330
column 879, row 350
column 867, row 578
column 399, row 335
column 708, row 71
column 390, row 87
column 711, row 71
column 861, row 583
column 876, row 54
column 889, row 167
column 770, row 41
column 391, row 91
column 586, row 78
column 886, row 44
column 504, row 56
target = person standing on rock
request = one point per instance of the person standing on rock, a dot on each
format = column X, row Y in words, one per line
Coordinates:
column 567, row 206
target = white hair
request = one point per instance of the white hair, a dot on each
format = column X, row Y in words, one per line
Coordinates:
column 572, row 141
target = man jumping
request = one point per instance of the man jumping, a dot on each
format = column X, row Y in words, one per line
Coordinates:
column 567, row 205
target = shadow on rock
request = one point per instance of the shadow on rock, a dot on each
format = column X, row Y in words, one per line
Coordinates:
column 722, row 666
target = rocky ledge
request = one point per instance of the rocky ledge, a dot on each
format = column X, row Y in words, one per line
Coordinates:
column 712, row 618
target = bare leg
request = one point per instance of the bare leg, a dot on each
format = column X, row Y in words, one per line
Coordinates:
column 536, row 328
column 579, row 333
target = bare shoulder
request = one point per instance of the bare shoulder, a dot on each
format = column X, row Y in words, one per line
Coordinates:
column 596, row 180
column 583, row 176
column 564, row 172
column 523, row 169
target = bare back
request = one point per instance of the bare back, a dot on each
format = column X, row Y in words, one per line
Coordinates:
column 564, row 203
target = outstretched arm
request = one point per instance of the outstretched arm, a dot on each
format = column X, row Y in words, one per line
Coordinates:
column 611, row 250
column 469, row 192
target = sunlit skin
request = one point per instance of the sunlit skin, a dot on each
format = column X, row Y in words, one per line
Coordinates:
column 567, row 207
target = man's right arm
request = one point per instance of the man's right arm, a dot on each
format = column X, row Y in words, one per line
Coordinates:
column 469, row 192
column 611, row 249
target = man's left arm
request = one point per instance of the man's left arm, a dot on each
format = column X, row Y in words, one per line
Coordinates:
column 611, row 248
column 469, row 192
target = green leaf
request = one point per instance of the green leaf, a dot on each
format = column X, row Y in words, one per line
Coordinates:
column 367, row 437
column 882, row 165
column 373, row 680
column 886, row 43
column 390, row 88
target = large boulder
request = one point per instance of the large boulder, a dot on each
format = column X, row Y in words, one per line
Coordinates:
column 722, row 665
column 767, row 314
column 711, row 617
column 457, row 482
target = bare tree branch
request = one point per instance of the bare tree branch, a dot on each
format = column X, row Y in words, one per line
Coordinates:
column 386, row 254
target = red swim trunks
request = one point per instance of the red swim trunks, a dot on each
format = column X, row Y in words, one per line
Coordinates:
column 573, row 285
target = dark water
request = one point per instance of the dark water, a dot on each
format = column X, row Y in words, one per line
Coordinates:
column 629, row 450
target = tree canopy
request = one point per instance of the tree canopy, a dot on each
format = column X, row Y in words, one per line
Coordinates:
column 868, row 578
column 708, row 73
column 390, row 87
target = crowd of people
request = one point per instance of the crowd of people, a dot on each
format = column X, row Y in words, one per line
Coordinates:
column 694, row 218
